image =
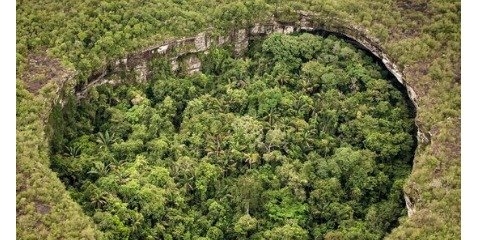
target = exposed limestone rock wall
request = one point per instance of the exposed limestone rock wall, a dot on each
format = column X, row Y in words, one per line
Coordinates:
column 240, row 38
column 183, row 52
column 183, row 55
column 409, row 205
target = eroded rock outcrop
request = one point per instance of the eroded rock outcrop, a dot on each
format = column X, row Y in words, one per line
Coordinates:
column 175, row 50
column 183, row 54
column 183, row 51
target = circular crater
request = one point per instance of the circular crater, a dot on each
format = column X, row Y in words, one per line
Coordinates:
column 304, row 137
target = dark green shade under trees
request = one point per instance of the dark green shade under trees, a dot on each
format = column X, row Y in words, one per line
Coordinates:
column 304, row 137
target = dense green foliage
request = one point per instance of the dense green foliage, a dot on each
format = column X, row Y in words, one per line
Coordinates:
column 303, row 138
column 43, row 203
column 93, row 32
column 421, row 36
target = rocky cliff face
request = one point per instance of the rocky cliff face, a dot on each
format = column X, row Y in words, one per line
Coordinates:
column 185, row 51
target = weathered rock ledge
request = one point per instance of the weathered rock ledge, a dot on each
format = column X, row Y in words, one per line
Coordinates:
column 185, row 52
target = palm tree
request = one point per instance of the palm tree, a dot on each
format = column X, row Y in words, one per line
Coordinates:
column 99, row 199
column 73, row 151
column 105, row 140
column 100, row 169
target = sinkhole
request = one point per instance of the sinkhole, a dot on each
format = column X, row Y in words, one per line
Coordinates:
column 305, row 136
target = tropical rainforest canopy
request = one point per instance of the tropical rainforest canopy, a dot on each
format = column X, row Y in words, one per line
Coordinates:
column 305, row 137
column 302, row 137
